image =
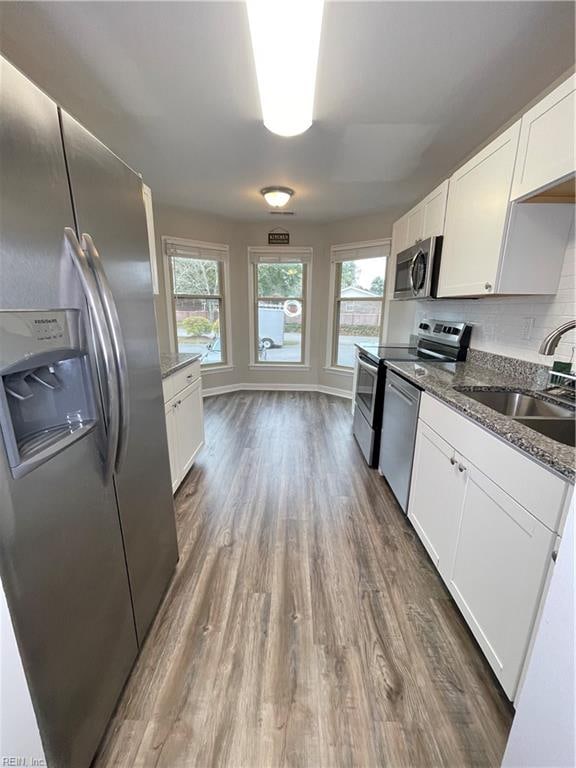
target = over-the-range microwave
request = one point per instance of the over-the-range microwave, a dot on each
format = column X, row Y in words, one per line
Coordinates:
column 417, row 270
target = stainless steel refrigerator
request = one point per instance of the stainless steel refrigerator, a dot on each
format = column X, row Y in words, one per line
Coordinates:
column 87, row 531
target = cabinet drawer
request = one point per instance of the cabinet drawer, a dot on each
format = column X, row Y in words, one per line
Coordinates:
column 533, row 486
column 185, row 376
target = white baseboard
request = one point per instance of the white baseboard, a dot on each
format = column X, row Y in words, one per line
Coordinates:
column 211, row 391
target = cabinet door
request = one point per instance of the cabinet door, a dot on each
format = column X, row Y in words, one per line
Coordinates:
column 415, row 225
column 170, row 412
column 436, row 497
column 546, row 148
column 500, row 565
column 399, row 236
column 476, row 218
column 435, row 211
column 189, row 425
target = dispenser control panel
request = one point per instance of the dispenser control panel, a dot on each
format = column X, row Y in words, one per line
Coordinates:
column 25, row 333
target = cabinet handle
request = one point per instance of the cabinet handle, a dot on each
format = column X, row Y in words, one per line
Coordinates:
column 190, row 376
column 488, row 286
column 461, row 468
column 453, row 460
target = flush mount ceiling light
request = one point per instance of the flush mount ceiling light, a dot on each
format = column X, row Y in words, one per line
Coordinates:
column 285, row 40
column 277, row 197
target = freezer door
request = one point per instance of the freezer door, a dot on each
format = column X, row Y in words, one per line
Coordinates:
column 109, row 207
column 61, row 556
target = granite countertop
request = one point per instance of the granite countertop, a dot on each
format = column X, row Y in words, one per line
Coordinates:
column 170, row 363
column 439, row 379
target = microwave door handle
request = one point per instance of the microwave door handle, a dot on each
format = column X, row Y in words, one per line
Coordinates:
column 104, row 344
column 111, row 312
column 411, row 272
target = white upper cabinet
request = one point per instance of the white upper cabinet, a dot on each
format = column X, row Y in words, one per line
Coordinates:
column 435, row 211
column 546, row 153
column 476, row 218
column 427, row 218
column 399, row 236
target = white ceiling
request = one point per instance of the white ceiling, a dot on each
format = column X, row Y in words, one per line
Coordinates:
column 405, row 90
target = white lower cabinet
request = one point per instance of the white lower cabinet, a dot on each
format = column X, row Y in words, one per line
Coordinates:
column 500, row 564
column 493, row 554
column 172, row 445
column 435, row 476
column 184, row 428
column 189, row 425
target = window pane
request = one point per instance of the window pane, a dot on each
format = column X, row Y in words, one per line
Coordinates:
column 280, row 331
column 362, row 277
column 283, row 280
column 358, row 322
column 195, row 276
column 198, row 328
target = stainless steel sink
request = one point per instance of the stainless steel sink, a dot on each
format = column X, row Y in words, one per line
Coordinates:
column 550, row 419
column 518, row 404
column 563, row 430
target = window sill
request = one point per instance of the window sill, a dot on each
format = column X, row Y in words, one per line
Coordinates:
column 278, row 367
column 216, row 368
column 340, row 371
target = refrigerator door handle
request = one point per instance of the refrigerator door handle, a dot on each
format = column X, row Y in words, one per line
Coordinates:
column 98, row 322
column 111, row 312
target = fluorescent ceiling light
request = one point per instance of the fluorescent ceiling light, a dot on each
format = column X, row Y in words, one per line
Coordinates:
column 285, row 40
column 277, row 197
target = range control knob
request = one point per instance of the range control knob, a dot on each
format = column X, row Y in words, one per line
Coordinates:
column 424, row 327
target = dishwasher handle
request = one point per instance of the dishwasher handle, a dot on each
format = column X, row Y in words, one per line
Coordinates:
column 401, row 393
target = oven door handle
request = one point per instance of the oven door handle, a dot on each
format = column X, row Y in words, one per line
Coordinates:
column 367, row 366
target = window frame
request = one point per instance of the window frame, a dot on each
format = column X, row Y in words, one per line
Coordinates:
column 277, row 255
column 338, row 255
column 220, row 253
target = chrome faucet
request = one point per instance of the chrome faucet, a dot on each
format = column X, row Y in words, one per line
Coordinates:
column 550, row 343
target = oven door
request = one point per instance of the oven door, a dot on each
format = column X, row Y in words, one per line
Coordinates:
column 366, row 385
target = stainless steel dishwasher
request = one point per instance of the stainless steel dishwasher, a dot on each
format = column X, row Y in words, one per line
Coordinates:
column 399, row 422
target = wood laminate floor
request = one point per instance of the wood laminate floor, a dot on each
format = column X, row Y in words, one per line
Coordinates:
column 305, row 626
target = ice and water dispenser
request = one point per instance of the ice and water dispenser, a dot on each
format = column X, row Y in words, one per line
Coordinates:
column 46, row 392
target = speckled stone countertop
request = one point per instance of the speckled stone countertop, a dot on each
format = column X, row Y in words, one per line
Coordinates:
column 439, row 379
column 170, row 363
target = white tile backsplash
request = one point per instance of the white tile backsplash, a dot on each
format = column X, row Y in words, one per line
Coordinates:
column 500, row 324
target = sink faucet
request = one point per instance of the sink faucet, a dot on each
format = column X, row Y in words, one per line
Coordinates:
column 550, row 343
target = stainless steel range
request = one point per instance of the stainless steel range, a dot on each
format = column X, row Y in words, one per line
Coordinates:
column 438, row 341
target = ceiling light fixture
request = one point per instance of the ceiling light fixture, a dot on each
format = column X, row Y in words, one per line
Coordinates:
column 285, row 40
column 277, row 197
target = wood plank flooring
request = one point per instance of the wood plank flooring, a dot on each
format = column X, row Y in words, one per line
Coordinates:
column 305, row 626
